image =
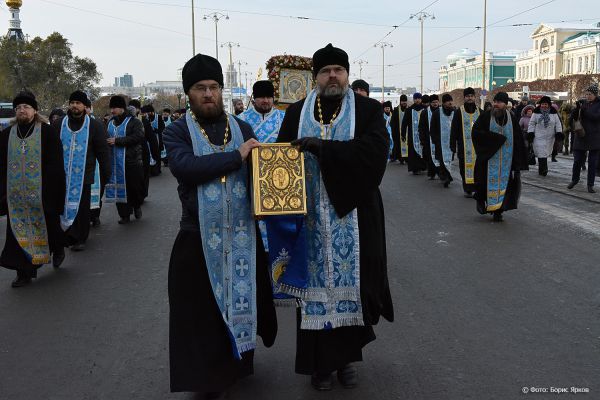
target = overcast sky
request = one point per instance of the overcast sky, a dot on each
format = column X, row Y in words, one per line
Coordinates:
column 152, row 39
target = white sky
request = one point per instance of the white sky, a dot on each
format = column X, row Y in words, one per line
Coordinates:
column 152, row 41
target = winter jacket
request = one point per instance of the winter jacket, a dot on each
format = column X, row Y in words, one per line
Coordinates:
column 590, row 119
column 544, row 136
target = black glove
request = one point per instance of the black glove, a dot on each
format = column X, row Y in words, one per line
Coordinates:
column 530, row 136
column 310, row 144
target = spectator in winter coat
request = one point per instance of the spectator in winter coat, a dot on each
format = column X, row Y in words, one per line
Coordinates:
column 544, row 128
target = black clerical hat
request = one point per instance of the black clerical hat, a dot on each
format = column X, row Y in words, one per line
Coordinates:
column 117, row 102
column 387, row 104
column 434, row 97
column 469, row 91
column 25, row 97
column 263, row 89
column 329, row 55
column 79, row 96
column 199, row 68
column 501, row 96
column 425, row 98
column 403, row 98
column 446, row 97
column 148, row 108
column 360, row 84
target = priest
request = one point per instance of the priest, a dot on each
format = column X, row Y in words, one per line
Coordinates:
column 126, row 184
column 219, row 286
column 33, row 201
column 400, row 149
column 461, row 142
column 501, row 156
column 84, row 143
column 410, row 133
column 441, row 122
column 345, row 143
column 425, row 136
column 265, row 121
column 387, row 116
column 157, row 126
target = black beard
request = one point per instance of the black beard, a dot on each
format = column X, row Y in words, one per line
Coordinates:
column 262, row 110
column 212, row 113
column 75, row 114
column 499, row 113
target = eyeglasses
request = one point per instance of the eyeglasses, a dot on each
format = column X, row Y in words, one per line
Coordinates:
column 23, row 107
column 203, row 89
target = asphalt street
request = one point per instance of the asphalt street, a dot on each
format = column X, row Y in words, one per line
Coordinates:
column 482, row 309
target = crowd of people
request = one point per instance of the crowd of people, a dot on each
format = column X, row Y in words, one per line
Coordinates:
column 227, row 270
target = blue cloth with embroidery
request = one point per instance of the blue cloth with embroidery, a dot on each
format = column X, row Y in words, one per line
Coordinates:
column 287, row 258
column 415, row 132
column 500, row 165
column 388, row 121
column 75, row 145
column 332, row 243
column 95, row 190
column 445, row 125
column 116, row 187
column 229, row 241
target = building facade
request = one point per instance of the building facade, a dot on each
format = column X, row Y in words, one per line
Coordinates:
column 464, row 69
column 560, row 49
column 124, row 81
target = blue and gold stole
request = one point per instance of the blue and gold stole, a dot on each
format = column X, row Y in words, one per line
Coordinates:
column 229, row 240
column 445, row 126
column 75, row 146
column 24, row 194
column 267, row 129
column 431, row 144
column 403, row 143
column 333, row 249
column 500, row 165
column 468, row 120
column 416, row 115
column 95, row 191
column 388, row 126
column 163, row 151
column 116, row 187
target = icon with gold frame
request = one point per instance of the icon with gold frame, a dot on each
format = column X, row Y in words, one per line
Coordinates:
column 278, row 181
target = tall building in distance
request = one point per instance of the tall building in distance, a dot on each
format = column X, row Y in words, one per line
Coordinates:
column 14, row 23
column 124, row 81
column 231, row 77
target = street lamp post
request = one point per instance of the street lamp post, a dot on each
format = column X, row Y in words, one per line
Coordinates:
column 217, row 16
column 360, row 67
column 230, row 67
column 422, row 16
column 383, row 45
column 240, row 71
column 483, row 85
column 193, row 32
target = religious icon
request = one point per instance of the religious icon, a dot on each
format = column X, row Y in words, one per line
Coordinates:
column 278, row 183
column 294, row 85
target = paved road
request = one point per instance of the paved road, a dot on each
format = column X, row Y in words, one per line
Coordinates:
column 482, row 308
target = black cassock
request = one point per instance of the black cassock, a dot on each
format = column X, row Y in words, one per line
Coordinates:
column 351, row 172
column 486, row 144
column 396, row 124
column 415, row 161
column 201, row 356
column 424, row 136
column 53, row 198
column 457, row 143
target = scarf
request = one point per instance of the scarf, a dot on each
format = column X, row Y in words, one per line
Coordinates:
column 229, row 241
column 545, row 117
column 24, row 194
column 75, row 145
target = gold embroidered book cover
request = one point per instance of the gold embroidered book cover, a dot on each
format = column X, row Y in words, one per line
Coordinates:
column 278, row 185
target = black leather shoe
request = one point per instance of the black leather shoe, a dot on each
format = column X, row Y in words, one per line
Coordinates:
column 446, row 183
column 95, row 222
column 321, row 382
column 348, row 376
column 481, row 207
column 138, row 213
column 591, row 189
column 124, row 220
column 571, row 185
column 57, row 259
column 554, row 159
column 498, row 217
column 468, row 195
column 78, row 247
column 20, row 282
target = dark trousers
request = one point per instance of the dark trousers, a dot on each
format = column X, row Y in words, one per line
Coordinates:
column 95, row 213
column 579, row 160
column 134, row 176
column 543, row 166
column 79, row 231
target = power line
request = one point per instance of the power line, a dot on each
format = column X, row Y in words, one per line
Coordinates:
column 393, row 29
column 298, row 17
